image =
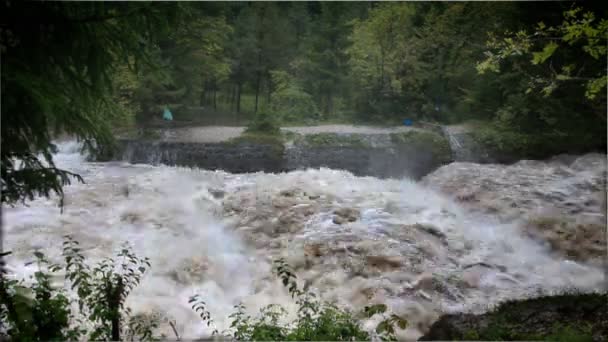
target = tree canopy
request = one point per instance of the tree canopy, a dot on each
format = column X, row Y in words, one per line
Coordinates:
column 58, row 71
column 86, row 69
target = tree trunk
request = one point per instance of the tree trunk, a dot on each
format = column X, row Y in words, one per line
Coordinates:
column 329, row 105
column 381, row 68
column 114, row 298
column 257, row 91
column 202, row 96
column 214, row 96
column 232, row 96
column 269, row 90
column 238, row 97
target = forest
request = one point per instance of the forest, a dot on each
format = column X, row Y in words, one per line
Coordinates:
column 530, row 75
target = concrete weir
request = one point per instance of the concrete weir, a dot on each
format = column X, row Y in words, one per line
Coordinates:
column 392, row 153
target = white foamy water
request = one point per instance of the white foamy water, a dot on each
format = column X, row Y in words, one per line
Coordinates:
column 409, row 246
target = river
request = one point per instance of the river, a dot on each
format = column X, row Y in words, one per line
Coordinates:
column 354, row 240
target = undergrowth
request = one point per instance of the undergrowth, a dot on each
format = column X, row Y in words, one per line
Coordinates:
column 34, row 310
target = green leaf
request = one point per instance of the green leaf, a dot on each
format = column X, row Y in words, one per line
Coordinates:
column 384, row 326
column 374, row 309
column 401, row 322
column 541, row 57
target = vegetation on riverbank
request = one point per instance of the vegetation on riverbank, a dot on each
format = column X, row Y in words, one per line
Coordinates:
column 333, row 140
column 509, row 144
column 35, row 310
column 564, row 317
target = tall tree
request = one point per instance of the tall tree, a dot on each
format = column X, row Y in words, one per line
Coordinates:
column 327, row 59
column 56, row 73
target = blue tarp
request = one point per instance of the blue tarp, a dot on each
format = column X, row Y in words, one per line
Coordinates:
column 407, row 122
column 167, row 115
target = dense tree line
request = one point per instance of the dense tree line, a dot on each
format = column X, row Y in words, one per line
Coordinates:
column 529, row 74
column 373, row 61
column 532, row 74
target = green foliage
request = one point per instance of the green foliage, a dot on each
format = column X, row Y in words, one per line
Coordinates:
column 511, row 141
column 580, row 34
column 264, row 122
column 37, row 312
column 333, row 139
column 190, row 61
column 57, row 73
column 40, row 312
column 502, row 329
column 290, row 102
column 570, row 316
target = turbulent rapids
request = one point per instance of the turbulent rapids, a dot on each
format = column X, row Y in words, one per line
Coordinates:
column 354, row 240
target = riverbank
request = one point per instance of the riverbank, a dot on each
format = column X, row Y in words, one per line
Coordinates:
column 564, row 317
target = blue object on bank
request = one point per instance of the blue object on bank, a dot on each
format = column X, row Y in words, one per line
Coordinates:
column 167, row 115
column 407, row 122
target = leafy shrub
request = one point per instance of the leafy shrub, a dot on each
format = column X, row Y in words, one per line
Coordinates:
column 264, row 123
column 293, row 104
column 39, row 312
column 290, row 102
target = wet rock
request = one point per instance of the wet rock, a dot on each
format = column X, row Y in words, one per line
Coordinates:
column 288, row 193
column 432, row 230
column 125, row 190
column 384, row 262
column 130, row 217
column 466, row 197
column 283, row 202
column 314, row 249
column 579, row 241
column 345, row 215
column 424, row 282
column 483, row 264
column 216, row 193
column 339, row 220
column 191, row 269
column 471, row 278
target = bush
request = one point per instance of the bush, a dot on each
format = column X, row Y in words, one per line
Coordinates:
column 569, row 316
column 512, row 144
column 264, row 123
column 39, row 312
column 290, row 102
